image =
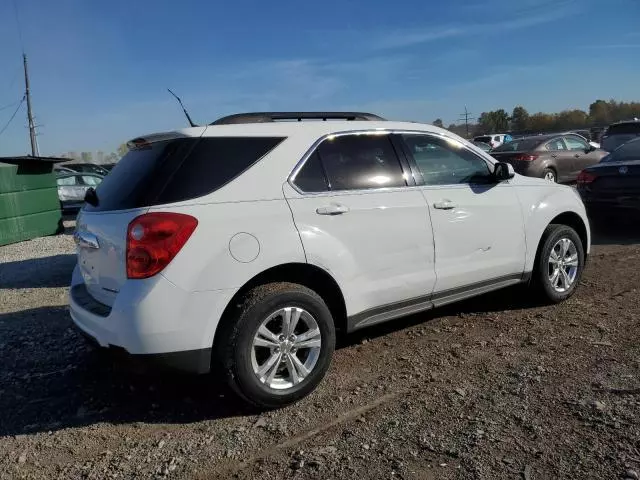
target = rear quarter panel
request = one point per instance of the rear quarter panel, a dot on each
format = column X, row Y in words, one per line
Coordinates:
column 541, row 202
column 233, row 242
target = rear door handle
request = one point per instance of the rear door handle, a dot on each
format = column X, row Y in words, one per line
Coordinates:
column 444, row 205
column 554, row 155
column 332, row 209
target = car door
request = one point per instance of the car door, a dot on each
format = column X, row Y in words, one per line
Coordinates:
column 477, row 222
column 561, row 159
column 362, row 219
column 583, row 155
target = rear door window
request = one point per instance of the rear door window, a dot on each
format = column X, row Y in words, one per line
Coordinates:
column 556, row 144
column 575, row 143
column 355, row 162
column 177, row 170
column 311, row 177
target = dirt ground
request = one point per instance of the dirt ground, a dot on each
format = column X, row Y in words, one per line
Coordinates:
column 496, row 387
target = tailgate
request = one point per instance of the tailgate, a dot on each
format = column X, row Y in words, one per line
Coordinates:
column 101, row 247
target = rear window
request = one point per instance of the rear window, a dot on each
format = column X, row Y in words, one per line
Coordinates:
column 177, row 170
column 628, row 151
column 520, row 145
column 624, row 128
column 486, row 139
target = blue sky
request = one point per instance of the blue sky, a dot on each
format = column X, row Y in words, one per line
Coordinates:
column 99, row 70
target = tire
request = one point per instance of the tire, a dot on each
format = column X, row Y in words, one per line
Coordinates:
column 241, row 360
column 550, row 175
column 560, row 289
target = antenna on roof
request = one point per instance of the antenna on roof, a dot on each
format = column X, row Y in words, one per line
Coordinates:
column 183, row 109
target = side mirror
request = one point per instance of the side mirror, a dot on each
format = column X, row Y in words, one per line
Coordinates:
column 591, row 148
column 503, row 171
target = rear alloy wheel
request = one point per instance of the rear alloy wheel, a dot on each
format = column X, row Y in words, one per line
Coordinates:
column 279, row 345
column 560, row 263
column 286, row 348
column 549, row 175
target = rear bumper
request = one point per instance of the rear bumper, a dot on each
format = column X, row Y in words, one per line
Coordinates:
column 152, row 320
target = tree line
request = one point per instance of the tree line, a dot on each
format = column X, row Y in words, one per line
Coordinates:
column 601, row 113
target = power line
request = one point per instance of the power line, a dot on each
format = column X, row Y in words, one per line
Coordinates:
column 466, row 116
column 13, row 116
column 9, row 105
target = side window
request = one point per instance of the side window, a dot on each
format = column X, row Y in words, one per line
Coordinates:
column 354, row 162
column 575, row 143
column 91, row 180
column 444, row 163
column 557, row 144
column 66, row 181
column 496, row 138
column 311, row 177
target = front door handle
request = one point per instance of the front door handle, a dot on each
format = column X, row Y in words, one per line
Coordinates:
column 444, row 205
column 332, row 209
column 577, row 155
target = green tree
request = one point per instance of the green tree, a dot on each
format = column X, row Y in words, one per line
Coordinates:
column 541, row 122
column 599, row 112
column 571, row 119
column 438, row 123
column 520, row 119
column 485, row 124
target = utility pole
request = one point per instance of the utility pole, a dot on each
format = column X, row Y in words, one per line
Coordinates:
column 466, row 116
column 32, row 127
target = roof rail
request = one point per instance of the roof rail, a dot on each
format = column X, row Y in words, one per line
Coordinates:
column 262, row 117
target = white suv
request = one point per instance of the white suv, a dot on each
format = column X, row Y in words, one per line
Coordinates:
column 248, row 243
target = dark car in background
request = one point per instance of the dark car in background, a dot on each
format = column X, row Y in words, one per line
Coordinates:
column 613, row 185
column 619, row 133
column 72, row 188
column 556, row 158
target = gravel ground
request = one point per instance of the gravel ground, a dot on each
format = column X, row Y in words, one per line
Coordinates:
column 492, row 388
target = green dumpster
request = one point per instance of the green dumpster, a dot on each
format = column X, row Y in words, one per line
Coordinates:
column 29, row 205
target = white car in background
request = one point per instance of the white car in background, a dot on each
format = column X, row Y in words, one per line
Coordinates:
column 249, row 242
column 495, row 140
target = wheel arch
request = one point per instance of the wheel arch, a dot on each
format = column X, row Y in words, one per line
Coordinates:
column 309, row 275
column 570, row 219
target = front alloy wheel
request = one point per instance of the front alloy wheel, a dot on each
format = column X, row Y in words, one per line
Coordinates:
column 559, row 263
column 563, row 265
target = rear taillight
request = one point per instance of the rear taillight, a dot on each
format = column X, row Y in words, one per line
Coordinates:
column 154, row 239
column 525, row 158
column 585, row 178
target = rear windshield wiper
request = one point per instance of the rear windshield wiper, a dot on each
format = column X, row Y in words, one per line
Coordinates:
column 91, row 197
